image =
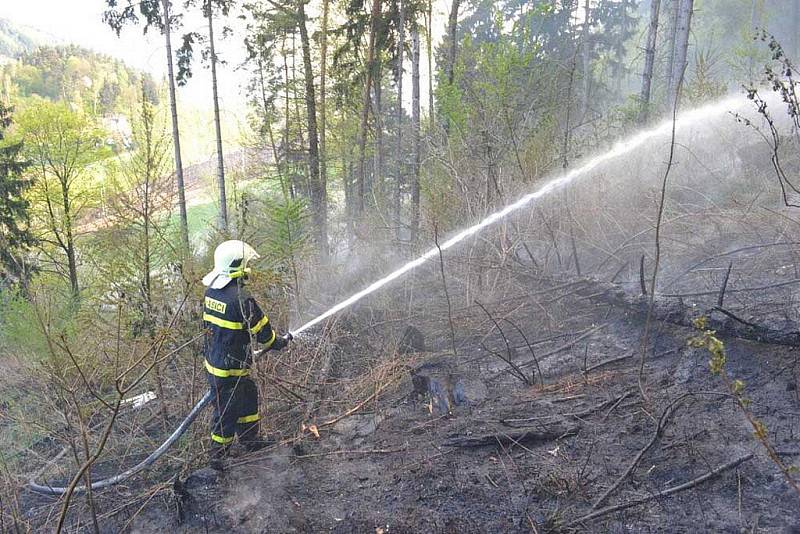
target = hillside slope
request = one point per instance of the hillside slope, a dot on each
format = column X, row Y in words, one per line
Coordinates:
column 510, row 457
column 15, row 40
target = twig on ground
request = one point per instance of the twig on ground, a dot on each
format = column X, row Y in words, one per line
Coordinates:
column 607, row 362
column 721, row 298
column 566, row 346
column 660, row 426
column 345, row 452
column 675, row 489
column 736, row 318
column 642, row 284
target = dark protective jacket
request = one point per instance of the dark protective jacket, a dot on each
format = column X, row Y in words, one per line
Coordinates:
column 233, row 320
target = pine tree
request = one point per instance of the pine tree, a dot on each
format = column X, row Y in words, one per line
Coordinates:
column 14, row 232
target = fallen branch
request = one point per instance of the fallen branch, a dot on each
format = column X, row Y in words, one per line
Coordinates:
column 662, row 421
column 360, row 405
column 526, row 436
column 740, row 290
column 607, row 362
column 675, row 489
column 660, row 426
column 721, row 298
column 369, row 451
column 566, row 345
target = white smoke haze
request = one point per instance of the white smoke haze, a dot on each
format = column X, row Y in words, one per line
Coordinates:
column 722, row 195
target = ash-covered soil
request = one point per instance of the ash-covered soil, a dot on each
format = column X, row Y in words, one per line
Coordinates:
column 463, row 444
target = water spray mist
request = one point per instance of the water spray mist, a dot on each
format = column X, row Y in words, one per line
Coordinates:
column 620, row 149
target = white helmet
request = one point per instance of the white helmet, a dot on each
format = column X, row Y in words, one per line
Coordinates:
column 230, row 261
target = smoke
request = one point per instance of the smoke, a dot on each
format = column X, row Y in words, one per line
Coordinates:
column 606, row 204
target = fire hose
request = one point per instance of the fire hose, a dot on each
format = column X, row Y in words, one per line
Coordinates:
column 47, row 489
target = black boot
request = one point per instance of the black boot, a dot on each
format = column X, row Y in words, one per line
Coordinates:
column 217, row 456
column 255, row 442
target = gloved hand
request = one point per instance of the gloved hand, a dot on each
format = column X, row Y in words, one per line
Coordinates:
column 281, row 341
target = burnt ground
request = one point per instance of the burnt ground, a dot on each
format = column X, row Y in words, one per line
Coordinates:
column 486, row 452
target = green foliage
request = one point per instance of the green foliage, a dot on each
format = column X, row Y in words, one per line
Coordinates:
column 139, row 202
column 288, row 235
column 705, row 83
column 20, row 330
column 98, row 84
column 63, row 147
column 15, row 235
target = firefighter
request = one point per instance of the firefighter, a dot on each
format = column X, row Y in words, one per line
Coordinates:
column 234, row 321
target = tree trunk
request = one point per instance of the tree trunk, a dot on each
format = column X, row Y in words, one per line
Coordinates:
column 323, row 118
column 279, row 163
column 303, row 186
column 649, row 61
column 429, row 50
column 452, row 26
column 795, row 28
column 399, row 160
column 491, row 176
column 671, row 28
column 69, row 238
column 286, row 122
column 362, row 143
column 319, row 201
column 147, row 122
column 682, row 29
column 350, row 204
column 223, row 203
column 176, row 140
column 587, row 59
column 568, row 113
column 756, row 10
column 415, row 132
column 377, row 182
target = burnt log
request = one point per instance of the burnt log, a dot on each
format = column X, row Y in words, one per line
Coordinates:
column 527, row 436
column 681, row 312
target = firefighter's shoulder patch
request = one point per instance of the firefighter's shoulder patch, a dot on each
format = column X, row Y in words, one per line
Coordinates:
column 215, row 305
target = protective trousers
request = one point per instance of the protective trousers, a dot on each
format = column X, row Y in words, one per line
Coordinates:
column 235, row 409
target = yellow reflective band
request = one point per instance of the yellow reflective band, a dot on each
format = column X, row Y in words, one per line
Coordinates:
column 226, row 373
column 220, row 439
column 259, row 325
column 269, row 343
column 248, row 419
column 238, row 274
column 222, row 323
